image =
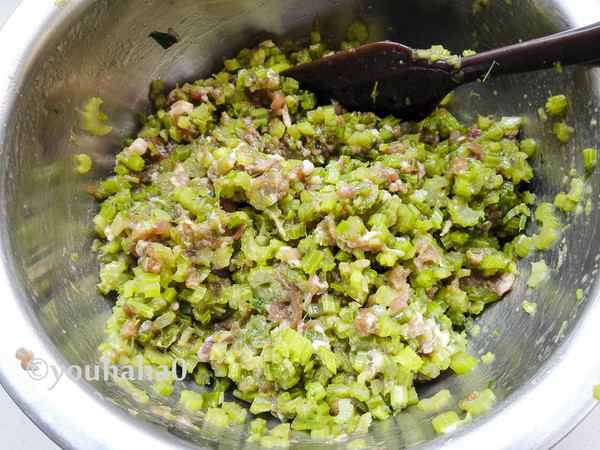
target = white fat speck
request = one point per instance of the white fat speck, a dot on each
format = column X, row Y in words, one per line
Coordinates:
column 307, row 167
column 139, row 146
column 291, row 255
column 377, row 360
column 314, row 181
column 317, row 343
column 141, row 246
column 319, row 328
column 108, row 233
column 287, row 121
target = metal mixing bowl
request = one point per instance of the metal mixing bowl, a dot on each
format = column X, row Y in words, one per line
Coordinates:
column 56, row 58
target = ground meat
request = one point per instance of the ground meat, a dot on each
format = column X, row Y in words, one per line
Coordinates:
column 279, row 310
column 261, row 165
column 295, row 301
column 277, row 101
column 142, row 232
column 315, row 285
column 417, row 327
column 398, row 186
column 365, row 322
column 454, row 135
column 204, row 351
column 407, row 167
column 475, row 255
column 431, row 138
column 290, row 255
column 130, row 329
column 152, row 265
column 401, row 300
column 179, row 108
column 459, row 164
column 147, row 326
column 184, row 420
column 180, row 178
column 26, row 357
column 476, row 150
column 397, row 277
column 127, row 310
column 267, row 189
column 502, row 284
column 426, row 253
column 93, row 190
column 347, row 191
column 192, row 281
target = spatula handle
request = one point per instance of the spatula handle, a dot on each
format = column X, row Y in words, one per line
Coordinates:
column 576, row 46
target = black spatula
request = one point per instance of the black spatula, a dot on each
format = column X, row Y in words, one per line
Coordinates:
column 390, row 78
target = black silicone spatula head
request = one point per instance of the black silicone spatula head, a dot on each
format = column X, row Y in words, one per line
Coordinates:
column 390, row 78
column 383, row 77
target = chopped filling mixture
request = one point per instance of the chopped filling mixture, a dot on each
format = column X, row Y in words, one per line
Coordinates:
column 316, row 261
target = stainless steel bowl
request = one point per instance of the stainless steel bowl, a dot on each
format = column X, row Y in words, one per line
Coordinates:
column 56, row 57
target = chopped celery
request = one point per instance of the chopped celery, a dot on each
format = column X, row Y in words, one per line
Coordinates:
column 590, row 160
column 556, row 105
column 529, row 307
column 478, row 402
column 488, row 358
column 439, row 399
column 446, row 422
column 317, row 261
column 462, row 362
column 562, row 131
column 538, row 273
column 84, row 163
column 191, row 400
column 94, row 119
column 163, row 387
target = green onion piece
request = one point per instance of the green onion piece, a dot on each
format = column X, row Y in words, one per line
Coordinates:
column 282, row 431
column 597, row 392
column 141, row 308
